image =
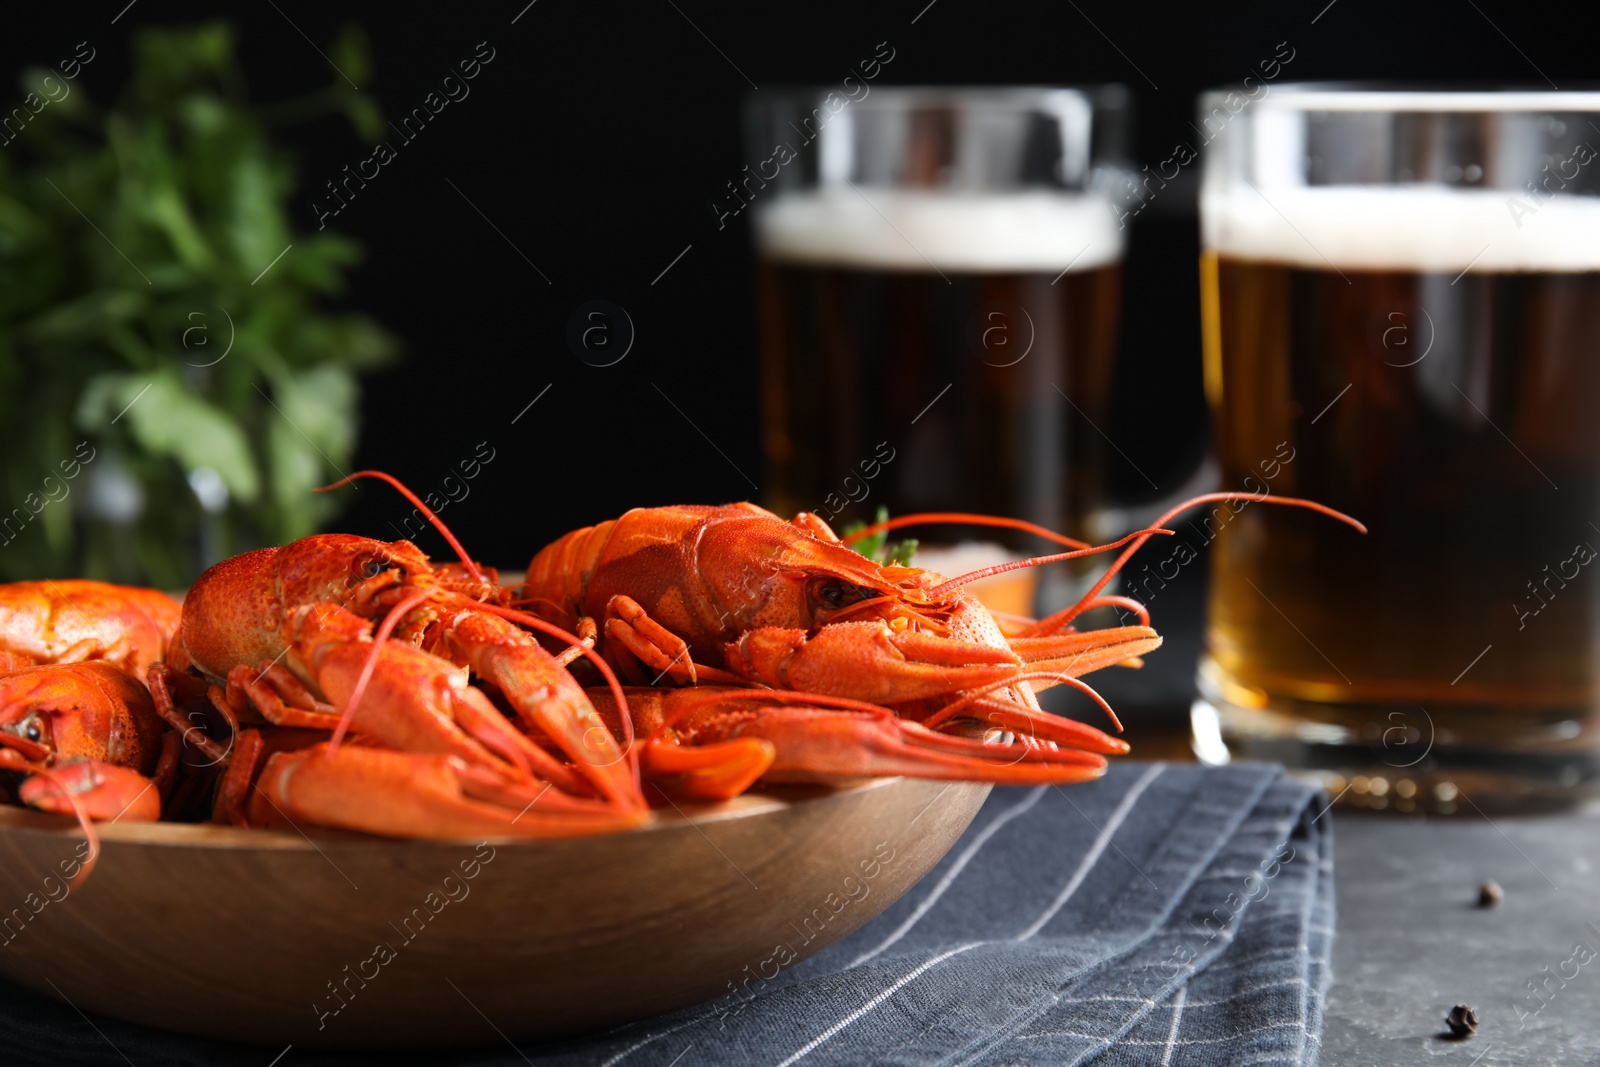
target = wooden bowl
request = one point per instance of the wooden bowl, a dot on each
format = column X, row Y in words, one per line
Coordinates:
column 338, row 939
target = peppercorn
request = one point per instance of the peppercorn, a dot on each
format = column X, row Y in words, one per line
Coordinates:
column 1462, row 1021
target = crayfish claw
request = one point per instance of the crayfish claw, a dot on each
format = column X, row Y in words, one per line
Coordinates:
column 867, row 661
column 104, row 791
column 720, row 770
column 1074, row 653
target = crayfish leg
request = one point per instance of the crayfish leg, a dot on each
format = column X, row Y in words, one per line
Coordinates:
column 233, row 791
column 167, row 766
column 587, row 633
column 280, row 697
column 657, row 647
column 187, row 704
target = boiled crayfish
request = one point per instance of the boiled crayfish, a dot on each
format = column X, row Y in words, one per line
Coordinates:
column 299, row 637
column 73, row 712
column 73, row 620
column 89, row 737
column 76, row 722
column 738, row 596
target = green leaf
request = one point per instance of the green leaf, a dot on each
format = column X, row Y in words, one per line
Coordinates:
column 318, row 259
column 166, row 207
column 871, row 546
column 297, row 468
column 207, row 114
column 17, row 219
column 309, row 440
column 168, row 59
column 62, row 94
column 255, row 222
column 97, row 402
column 352, row 54
column 90, row 315
column 166, row 419
column 360, row 342
column 320, row 403
column 901, row 553
column 366, row 116
column 877, row 547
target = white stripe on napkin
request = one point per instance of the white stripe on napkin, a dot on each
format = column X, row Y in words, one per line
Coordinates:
column 955, row 870
column 1092, row 857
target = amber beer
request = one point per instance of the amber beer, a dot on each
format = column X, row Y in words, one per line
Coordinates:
column 956, row 358
column 1434, row 369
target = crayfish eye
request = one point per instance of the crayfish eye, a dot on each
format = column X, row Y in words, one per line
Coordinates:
column 371, row 566
column 832, row 593
column 32, row 728
column 828, row 592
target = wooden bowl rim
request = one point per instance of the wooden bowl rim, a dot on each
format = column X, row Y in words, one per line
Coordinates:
column 207, row 835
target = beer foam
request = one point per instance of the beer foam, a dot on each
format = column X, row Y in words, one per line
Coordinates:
column 1310, row 96
column 1433, row 229
column 896, row 229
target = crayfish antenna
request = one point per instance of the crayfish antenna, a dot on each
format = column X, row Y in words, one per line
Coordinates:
column 976, row 696
column 427, row 513
column 1124, row 603
column 1065, row 616
column 1080, row 548
column 963, row 518
column 1035, row 561
column 89, row 833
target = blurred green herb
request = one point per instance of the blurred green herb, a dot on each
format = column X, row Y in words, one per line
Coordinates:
column 148, row 307
column 877, row 547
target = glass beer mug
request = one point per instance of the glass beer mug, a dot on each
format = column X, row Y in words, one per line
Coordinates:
column 1401, row 319
column 940, row 281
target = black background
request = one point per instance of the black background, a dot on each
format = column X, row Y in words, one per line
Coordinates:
column 596, row 142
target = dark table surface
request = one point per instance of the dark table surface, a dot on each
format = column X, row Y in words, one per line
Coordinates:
column 1412, row 941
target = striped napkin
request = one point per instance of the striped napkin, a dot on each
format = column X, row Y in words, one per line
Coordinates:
column 1168, row 914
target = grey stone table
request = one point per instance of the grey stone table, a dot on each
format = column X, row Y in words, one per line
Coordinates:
column 1412, row 940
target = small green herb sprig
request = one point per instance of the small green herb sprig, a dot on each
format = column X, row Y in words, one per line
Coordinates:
column 878, row 548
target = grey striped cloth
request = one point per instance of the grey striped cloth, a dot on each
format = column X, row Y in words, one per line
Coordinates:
column 1168, row 914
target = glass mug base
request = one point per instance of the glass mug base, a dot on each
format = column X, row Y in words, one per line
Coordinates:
column 1459, row 760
